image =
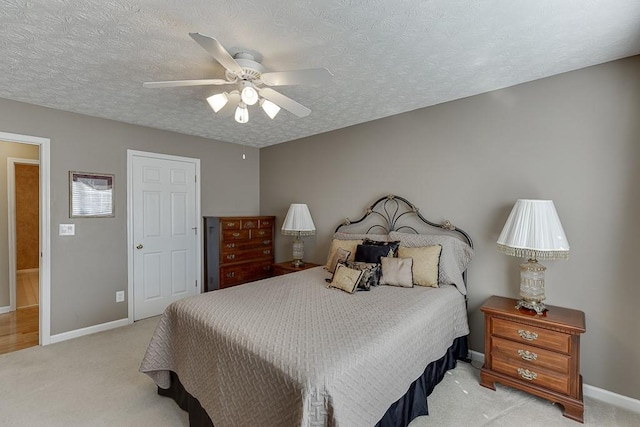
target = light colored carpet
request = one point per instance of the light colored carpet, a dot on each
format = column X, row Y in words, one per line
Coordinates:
column 94, row 381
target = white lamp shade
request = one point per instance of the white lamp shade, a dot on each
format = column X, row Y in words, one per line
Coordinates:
column 533, row 230
column 249, row 95
column 242, row 113
column 269, row 107
column 218, row 101
column 298, row 221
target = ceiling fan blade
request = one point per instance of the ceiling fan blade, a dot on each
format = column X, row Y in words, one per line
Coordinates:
column 284, row 102
column 178, row 83
column 310, row 76
column 230, row 107
column 218, row 51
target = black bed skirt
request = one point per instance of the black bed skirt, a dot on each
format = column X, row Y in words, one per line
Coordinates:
column 413, row 404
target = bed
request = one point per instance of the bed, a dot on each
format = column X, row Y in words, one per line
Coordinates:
column 288, row 351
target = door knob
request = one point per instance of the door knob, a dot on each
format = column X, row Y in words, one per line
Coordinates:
column 139, row 246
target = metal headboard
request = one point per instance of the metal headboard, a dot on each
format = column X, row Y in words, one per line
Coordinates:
column 391, row 211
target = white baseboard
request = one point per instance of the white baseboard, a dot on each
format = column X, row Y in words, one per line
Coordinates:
column 593, row 392
column 5, row 309
column 88, row 330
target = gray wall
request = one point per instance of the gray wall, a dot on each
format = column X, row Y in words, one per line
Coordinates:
column 573, row 138
column 87, row 270
column 21, row 151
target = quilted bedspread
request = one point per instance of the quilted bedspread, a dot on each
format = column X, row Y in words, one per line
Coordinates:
column 287, row 351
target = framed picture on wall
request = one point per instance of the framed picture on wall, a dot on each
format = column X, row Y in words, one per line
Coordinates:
column 91, row 195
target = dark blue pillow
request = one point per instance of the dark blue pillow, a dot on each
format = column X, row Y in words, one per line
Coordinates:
column 372, row 253
column 393, row 245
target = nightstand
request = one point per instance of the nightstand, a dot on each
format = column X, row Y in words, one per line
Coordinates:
column 287, row 267
column 539, row 354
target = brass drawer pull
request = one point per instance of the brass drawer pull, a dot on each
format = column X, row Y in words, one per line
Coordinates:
column 527, row 374
column 527, row 335
column 231, row 245
column 249, row 224
column 266, row 251
column 231, row 275
column 266, row 242
column 262, row 233
column 236, row 234
column 266, row 223
column 232, row 256
column 231, row 224
column 527, row 355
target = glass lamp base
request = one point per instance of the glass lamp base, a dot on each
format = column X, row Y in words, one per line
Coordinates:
column 532, row 286
column 297, row 263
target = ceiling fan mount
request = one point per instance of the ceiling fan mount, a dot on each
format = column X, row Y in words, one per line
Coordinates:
column 249, row 78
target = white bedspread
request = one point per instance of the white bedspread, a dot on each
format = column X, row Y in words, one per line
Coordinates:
column 287, row 351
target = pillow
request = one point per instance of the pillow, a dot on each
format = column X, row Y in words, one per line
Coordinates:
column 454, row 257
column 425, row 264
column 371, row 273
column 396, row 272
column 349, row 245
column 392, row 245
column 372, row 253
column 340, row 256
column 345, row 279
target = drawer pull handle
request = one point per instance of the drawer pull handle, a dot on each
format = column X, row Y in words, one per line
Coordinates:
column 267, row 268
column 236, row 234
column 249, row 224
column 231, row 245
column 527, row 355
column 232, row 256
column 266, row 223
column 262, row 233
column 231, row 275
column 266, row 242
column 527, row 374
column 266, row 252
column 231, row 224
column 527, row 335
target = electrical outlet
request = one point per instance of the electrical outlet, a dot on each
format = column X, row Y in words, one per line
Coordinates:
column 67, row 230
column 119, row 296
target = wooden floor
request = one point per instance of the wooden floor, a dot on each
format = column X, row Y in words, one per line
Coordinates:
column 19, row 329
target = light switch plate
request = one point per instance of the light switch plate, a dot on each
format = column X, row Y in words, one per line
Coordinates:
column 67, row 230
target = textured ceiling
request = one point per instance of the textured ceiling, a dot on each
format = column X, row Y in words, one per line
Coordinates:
column 387, row 56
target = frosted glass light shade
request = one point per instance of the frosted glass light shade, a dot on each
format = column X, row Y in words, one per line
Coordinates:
column 249, row 95
column 242, row 113
column 533, row 230
column 298, row 221
column 217, row 101
column 270, row 108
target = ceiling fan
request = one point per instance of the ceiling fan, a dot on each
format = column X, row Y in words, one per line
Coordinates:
column 250, row 84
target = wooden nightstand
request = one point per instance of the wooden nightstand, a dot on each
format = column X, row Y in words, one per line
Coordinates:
column 286, row 267
column 539, row 354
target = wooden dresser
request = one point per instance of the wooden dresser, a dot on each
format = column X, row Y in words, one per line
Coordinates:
column 237, row 250
column 539, row 354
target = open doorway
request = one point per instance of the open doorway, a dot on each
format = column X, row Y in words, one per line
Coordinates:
column 24, row 233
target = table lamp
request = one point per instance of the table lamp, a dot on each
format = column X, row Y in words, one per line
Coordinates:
column 298, row 222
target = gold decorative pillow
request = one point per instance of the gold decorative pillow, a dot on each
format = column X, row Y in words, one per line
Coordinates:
column 425, row 263
column 340, row 256
column 396, row 272
column 345, row 279
column 349, row 245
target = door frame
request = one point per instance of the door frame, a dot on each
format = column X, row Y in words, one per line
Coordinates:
column 11, row 203
column 130, row 244
column 45, row 228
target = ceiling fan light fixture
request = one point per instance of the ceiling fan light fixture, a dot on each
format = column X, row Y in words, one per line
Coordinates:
column 218, row 101
column 242, row 113
column 269, row 107
column 249, row 94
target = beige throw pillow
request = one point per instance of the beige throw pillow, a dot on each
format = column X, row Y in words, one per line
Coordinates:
column 345, row 279
column 396, row 272
column 425, row 264
column 340, row 256
column 349, row 245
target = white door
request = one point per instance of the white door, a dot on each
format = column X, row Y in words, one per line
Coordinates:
column 165, row 234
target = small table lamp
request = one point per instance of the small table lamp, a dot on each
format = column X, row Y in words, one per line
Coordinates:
column 298, row 222
column 533, row 231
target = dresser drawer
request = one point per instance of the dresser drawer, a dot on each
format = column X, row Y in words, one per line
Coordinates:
column 266, row 223
column 241, row 245
column 529, row 375
column 261, row 233
column 244, row 272
column 248, row 224
column 529, row 357
column 245, row 255
column 539, row 337
column 230, row 224
column 228, row 235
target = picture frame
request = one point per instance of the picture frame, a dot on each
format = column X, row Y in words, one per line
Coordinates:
column 91, row 195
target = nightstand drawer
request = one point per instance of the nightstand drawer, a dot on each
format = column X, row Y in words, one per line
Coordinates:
column 551, row 340
column 529, row 357
column 527, row 374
